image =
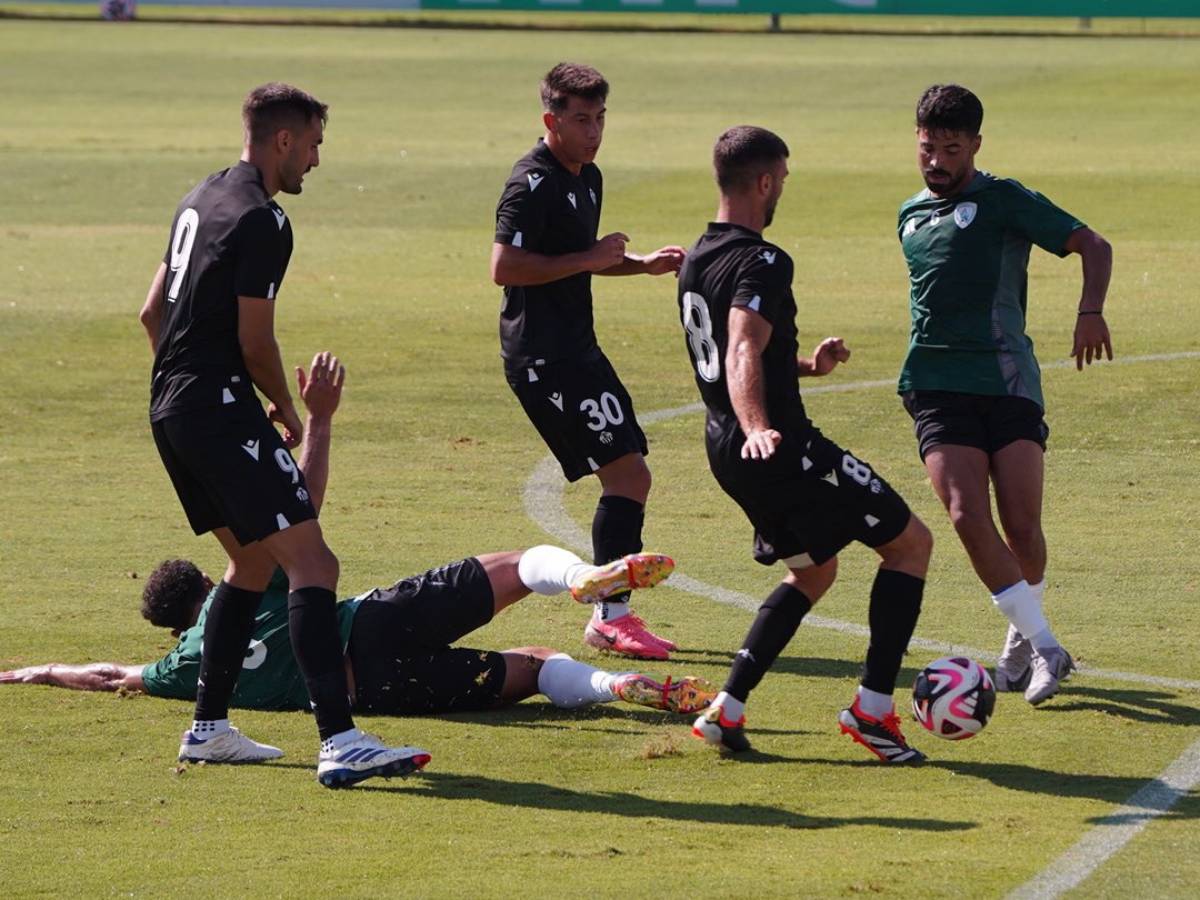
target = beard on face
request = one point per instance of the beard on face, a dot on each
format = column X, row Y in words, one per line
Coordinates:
column 949, row 186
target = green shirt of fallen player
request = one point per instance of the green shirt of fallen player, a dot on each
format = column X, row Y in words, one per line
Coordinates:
column 970, row 380
column 458, row 679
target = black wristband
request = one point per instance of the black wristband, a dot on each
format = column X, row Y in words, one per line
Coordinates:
column 1090, row 312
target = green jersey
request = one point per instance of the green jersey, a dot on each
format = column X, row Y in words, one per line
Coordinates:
column 967, row 266
column 270, row 677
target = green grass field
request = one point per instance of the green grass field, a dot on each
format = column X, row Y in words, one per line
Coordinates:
column 104, row 130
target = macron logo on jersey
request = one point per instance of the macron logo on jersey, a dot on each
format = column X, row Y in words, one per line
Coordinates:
column 755, row 303
column 534, row 181
column 280, row 217
column 571, row 197
column 769, row 256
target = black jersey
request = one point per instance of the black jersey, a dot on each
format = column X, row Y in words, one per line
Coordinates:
column 228, row 239
column 733, row 266
column 547, row 209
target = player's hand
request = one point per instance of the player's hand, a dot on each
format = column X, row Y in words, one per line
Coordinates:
column 607, row 252
column 1091, row 337
column 664, row 260
column 293, row 428
column 828, row 354
column 28, row 675
column 321, row 388
column 761, row 444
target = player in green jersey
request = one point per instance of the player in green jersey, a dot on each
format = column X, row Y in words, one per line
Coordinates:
column 970, row 380
column 395, row 640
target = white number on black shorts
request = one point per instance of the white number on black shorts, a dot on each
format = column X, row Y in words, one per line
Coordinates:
column 698, row 324
column 607, row 412
column 181, row 249
column 285, row 462
column 859, row 471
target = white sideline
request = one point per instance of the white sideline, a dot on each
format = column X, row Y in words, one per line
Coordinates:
column 1116, row 830
column 543, row 502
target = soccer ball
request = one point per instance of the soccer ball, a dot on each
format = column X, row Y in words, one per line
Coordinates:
column 953, row 697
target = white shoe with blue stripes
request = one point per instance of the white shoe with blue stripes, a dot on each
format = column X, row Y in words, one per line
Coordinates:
column 348, row 759
column 230, row 746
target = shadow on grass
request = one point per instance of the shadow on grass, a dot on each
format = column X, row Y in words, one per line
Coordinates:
column 1115, row 789
column 810, row 666
column 1152, row 707
column 544, row 715
column 535, row 795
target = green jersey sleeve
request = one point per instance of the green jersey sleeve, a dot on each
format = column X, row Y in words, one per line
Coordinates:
column 176, row 674
column 1035, row 218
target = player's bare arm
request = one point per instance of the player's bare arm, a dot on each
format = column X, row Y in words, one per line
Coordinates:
column 829, row 353
column 660, row 262
column 151, row 314
column 515, row 267
column 1091, row 331
column 748, row 336
column 256, row 336
column 91, row 677
column 321, row 391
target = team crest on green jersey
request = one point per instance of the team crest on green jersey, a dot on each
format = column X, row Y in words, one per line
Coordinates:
column 964, row 214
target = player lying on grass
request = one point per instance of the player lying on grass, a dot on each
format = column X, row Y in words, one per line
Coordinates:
column 398, row 658
column 397, row 639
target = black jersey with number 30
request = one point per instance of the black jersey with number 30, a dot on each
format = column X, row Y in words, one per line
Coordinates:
column 733, row 266
column 228, row 239
column 547, row 209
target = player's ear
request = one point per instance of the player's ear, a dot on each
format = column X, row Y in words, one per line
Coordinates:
column 550, row 120
column 283, row 140
column 976, row 143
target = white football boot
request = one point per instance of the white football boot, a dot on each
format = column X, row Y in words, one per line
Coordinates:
column 227, row 747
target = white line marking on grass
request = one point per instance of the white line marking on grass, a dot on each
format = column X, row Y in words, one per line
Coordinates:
column 1116, row 830
column 543, row 501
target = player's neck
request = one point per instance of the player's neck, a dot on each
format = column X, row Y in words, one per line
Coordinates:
column 270, row 180
column 554, row 145
column 735, row 211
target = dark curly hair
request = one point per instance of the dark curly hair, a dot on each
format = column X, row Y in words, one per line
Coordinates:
column 171, row 593
column 949, row 107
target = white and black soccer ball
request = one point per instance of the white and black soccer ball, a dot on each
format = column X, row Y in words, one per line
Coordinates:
column 953, row 697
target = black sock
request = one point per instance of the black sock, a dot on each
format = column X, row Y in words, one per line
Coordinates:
column 895, row 605
column 778, row 618
column 616, row 532
column 317, row 644
column 228, row 627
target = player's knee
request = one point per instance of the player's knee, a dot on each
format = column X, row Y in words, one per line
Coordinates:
column 1025, row 537
column 919, row 541
column 968, row 520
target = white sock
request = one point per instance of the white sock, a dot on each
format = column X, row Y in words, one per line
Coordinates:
column 209, row 728
column 1039, row 589
column 606, row 610
column 335, row 741
column 1022, row 606
column 550, row 570
column 731, row 706
column 569, row 683
column 873, row 703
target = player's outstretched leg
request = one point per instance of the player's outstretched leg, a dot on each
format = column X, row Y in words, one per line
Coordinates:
column 570, row 684
column 723, row 725
column 353, row 756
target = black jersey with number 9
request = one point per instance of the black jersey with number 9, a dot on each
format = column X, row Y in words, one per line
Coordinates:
column 228, row 239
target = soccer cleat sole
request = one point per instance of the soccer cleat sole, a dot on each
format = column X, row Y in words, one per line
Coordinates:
column 688, row 695
column 341, row 778
column 632, row 572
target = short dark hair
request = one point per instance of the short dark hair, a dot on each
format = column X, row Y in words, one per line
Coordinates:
column 743, row 153
column 949, row 107
column 567, row 80
column 171, row 594
column 274, row 106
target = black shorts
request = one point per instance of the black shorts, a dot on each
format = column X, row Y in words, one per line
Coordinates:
column 582, row 411
column 974, row 420
column 230, row 469
column 400, row 644
column 809, row 500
